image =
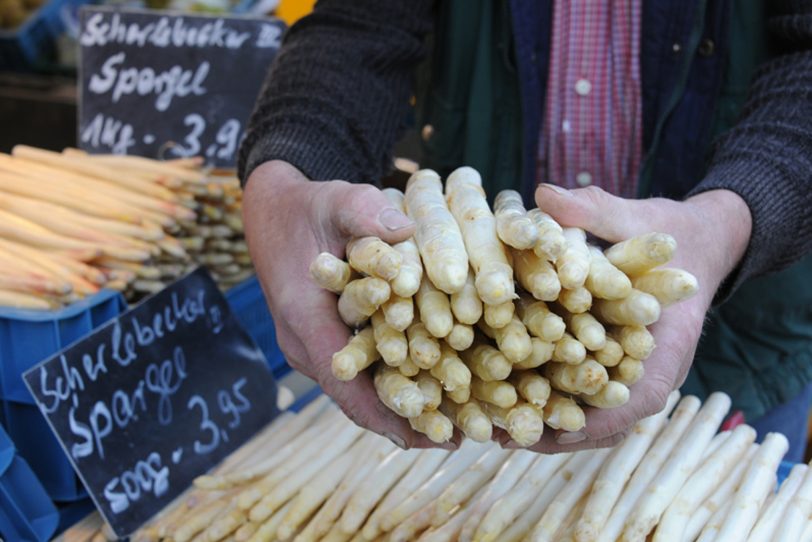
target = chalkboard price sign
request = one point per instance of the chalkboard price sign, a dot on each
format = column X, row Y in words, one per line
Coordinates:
column 170, row 86
column 155, row 398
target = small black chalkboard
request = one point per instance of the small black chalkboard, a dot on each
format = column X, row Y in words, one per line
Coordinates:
column 155, row 398
column 168, row 86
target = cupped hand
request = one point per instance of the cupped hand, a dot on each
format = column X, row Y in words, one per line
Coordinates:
column 289, row 220
column 712, row 230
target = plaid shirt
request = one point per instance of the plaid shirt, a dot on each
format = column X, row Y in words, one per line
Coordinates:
column 593, row 113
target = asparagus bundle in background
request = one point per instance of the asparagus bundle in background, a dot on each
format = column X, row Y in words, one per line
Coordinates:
column 73, row 223
column 497, row 318
column 315, row 476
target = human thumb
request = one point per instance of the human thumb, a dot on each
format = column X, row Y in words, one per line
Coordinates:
column 592, row 209
column 360, row 210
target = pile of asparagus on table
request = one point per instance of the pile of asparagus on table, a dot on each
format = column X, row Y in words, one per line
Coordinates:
column 72, row 223
column 316, row 476
column 462, row 346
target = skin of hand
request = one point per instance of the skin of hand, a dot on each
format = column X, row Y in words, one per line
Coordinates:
column 289, row 220
column 712, row 230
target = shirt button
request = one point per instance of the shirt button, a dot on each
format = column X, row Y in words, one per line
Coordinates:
column 583, row 87
column 706, row 47
column 583, row 179
column 566, row 127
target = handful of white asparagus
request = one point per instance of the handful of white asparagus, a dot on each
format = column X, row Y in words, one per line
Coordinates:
column 463, row 345
column 316, row 476
column 73, row 223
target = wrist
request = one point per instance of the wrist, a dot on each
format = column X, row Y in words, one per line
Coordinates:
column 276, row 173
column 728, row 225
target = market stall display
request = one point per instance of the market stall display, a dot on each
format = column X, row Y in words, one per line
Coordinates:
column 497, row 318
column 74, row 223
column 673, row 478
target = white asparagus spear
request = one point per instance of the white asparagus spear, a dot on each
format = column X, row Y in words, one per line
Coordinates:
column 408, row 529
column 330, row 273
column 510, row 505
column 461, row 336
column 317, row 490
column 465, row 304
column 406, row 283
column 466, row 455
column 617, row 470
column 511, row 472
column 553, row 518
column 449, row 531
column 378, row 448
column 296, row 478
column 807, row 534
column 711, row 530
column 334, row 535
column 658, row 453
column 513, row 225
column 370, row 492
column 426, row 465
column 277, row 434
column 390, row 343
column 714, row 445
column 720, row 496
column 249, row 496
column 567, row 531
column 522, row 525
column 701, row 484
column 438, row 236
column 434, row 308
column 487, row 254
column 678, row 468
column 268, row 528
column 398, row 312
column 223, row 525
column 757, row 483
column 606, row 281
column 798, row 511
column 461, row 489
column 573, row 263
column 765, row 528
column 290, row 432
column 551, row 242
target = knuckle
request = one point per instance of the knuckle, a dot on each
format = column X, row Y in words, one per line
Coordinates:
column 595, row 194
column 365, row 191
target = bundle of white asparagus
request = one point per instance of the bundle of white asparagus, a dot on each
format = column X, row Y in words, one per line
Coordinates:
column 72, row 223
column 316, row 476
column 463, row 345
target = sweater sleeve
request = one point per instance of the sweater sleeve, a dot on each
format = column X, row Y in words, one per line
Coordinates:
column 767, row 157
column 337, row 92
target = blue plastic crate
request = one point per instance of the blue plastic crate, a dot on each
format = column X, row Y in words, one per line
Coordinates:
column 33, row 43
column 30, row 336
column 39, row 446
column 72, row 513
column 26, row 511
column 26, row 338
column 248, row 305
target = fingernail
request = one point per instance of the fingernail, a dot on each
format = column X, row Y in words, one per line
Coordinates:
column 571, row 437
column 394, row 220
column 557, row 189
column 396, row 440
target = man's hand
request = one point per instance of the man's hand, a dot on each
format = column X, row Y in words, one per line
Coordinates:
column 289, row 220
column 712, row 231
